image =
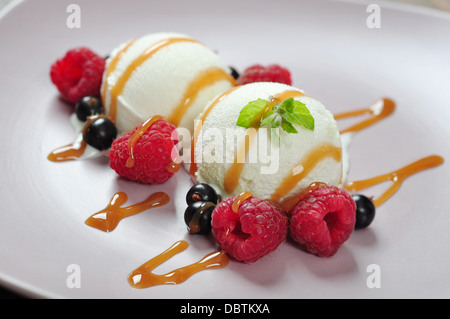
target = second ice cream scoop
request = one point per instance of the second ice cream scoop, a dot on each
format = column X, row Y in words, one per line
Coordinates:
column 167, row 74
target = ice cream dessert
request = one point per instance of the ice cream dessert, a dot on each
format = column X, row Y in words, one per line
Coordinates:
column 168, row 74
column 273, row 154
column 272, row 164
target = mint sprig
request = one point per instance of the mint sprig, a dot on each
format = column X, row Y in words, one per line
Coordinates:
column 286, row 115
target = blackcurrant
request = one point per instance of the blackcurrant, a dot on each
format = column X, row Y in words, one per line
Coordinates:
column 87, row 106
column 201, row 192
column 234, row 73
column 365, row 211
column 100, row 133
column 197, row 217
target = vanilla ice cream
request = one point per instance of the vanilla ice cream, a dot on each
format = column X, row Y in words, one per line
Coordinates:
column 276, row 164
column 167, row 74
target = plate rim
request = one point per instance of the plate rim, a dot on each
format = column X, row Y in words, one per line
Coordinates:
column 31, row 291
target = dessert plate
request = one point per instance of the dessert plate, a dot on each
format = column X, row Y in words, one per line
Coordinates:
column 337, row 52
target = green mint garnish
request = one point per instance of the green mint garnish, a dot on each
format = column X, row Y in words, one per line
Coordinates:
column 284, row 115
column 249, row 113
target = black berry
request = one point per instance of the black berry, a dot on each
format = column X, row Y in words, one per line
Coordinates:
column 197, row 217
column 365, row 211
column 87, row 106
column 234, row 73
column 201, row 192
column 100, row 133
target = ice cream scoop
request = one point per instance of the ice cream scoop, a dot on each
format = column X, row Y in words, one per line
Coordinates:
column 271, row 163
column 167, row 74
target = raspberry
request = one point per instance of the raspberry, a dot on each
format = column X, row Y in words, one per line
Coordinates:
column 256, row 229
column 78, row 74
column 152, row 154
column 323, row 220
column 271, row 73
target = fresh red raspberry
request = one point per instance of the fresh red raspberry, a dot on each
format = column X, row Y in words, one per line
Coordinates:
column 256, row 229
column 78, row 74
column 271, row 73
column 323, row 220
column 153, row 153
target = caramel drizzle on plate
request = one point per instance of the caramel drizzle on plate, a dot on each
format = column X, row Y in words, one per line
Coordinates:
column 387, row 108
column 397, row 177
column 76, row 149
column 69, row 152
column 143, row 277
column 108, row 218
column 379, row 110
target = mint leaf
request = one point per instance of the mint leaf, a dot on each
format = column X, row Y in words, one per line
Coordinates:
column 295, row 112
column 302, row 115
column 288, row 105
column 249, row 113
column 288, row 127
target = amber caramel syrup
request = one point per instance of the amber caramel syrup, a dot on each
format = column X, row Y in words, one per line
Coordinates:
column 108, row 218
column 143, row 276
column 76, row 149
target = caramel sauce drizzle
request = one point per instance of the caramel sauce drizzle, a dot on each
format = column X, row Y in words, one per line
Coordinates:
column 388, row 107
column 198, row 128
column 289, row 203
column 76, row 149
column 234, row 172
column 112, row 66
column 203, row 80
column 397, row 177
column 143, row 277
column 135, row 137
column 239, row 200
column 307, row 164
column 117, row 89
column 173, row 167
column 69, row 152
column 108, row 218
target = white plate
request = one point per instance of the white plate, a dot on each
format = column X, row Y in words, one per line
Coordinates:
column 332, row 55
